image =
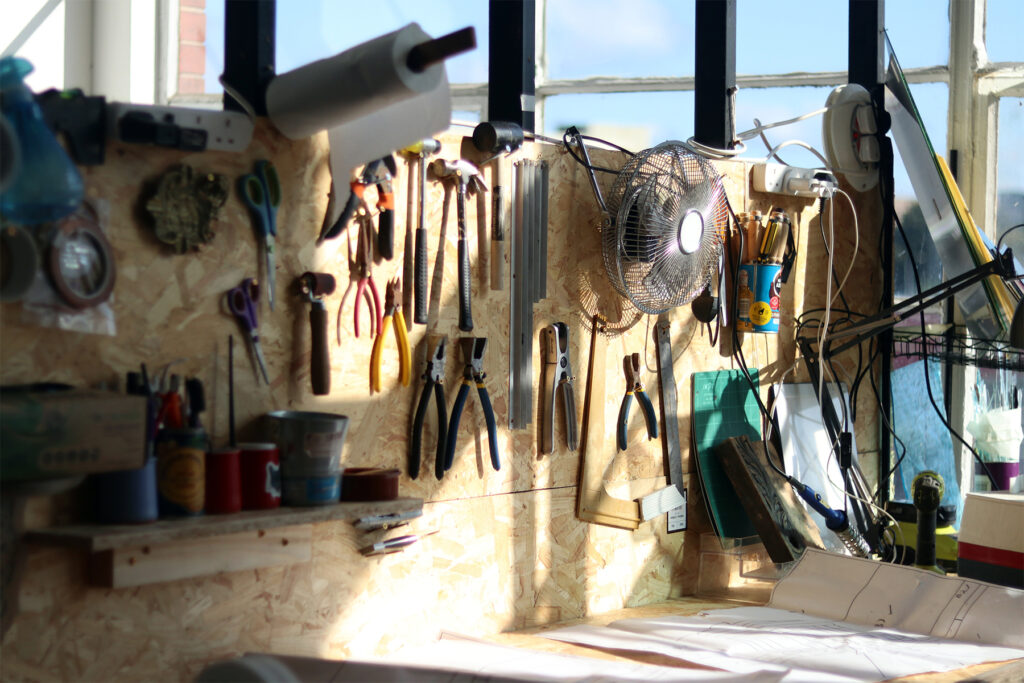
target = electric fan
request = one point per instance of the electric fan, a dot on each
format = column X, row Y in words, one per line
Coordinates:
column 665, row 221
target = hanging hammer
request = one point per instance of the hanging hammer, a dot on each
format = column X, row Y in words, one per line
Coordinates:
column 414, row 280
column 460, row 172
column 496, row 139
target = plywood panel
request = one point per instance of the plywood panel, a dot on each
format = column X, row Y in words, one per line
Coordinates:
column 509, row 552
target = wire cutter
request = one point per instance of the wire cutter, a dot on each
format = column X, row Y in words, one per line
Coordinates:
column 392, row 314
column 242, row 300
column 261, row 192
column 360, row 275
column 631, row 365
column 473, row 351
column 433, row 377
column 558, row 376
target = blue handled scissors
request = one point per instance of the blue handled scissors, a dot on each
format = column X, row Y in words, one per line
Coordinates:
column 242, row 300
column 261, row 192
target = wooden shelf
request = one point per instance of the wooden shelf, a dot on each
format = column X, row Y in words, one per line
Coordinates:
column 172, row 549
column 96, row 537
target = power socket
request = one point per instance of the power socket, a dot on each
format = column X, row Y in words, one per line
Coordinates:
column 790, row 180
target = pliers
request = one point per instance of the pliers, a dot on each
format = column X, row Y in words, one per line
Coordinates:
column 393, row 314
column 473, row 351
column 558, row 376
column 433, row 378
column 631, row 365
column 360, row 274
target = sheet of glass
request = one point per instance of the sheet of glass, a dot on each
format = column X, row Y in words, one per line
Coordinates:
column 612, row 38
column 777, row 37
column 935, row 200
column 921, row 29
column 1002, row 31
column 1010, row 168
column 634, row 120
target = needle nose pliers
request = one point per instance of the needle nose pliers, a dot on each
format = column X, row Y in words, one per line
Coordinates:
column 631, row 366
column 433, row 378
column 558, row 379
column 473, row 351
column 392, row 313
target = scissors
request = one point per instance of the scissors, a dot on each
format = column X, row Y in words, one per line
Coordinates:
column 261, row 192
column 242, row 300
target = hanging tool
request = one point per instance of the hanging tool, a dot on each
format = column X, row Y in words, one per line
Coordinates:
column 360, row 274
column 669, row 399
column 498, row 138
column 371, row 174
column 460, row 172
column 242, row 300
column 392, row 314
column 393, row 545
column 631, row 366
column 386, row 206
column 315, row 286
column 415, row 274
column 433, row 378
column 473, row 351
column 558, row 376
column 261, row 192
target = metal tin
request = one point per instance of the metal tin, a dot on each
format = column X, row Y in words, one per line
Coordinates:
column 765, row 309
column 181, row 471
column 310, row 445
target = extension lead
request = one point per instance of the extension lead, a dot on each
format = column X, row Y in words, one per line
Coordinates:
column 835, row 520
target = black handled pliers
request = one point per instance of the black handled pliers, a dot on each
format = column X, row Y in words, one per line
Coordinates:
column 558, row 379
column 473, row 373
column 433, row 378
column 631, row 365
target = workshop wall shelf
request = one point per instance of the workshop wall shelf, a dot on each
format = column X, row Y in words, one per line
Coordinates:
column 172, row 549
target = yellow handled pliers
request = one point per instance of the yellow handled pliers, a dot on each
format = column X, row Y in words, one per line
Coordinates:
column 392, row 314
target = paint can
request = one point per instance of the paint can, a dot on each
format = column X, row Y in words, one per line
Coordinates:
column 126, row 496
column 261, row 476
column 765, row 308
column 310, row 445
column 223, row 481
column 181, row 471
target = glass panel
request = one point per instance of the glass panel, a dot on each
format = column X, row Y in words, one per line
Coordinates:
column 612, row 38
column 769, row 105
column 1010, row 170
column 1002, row 31
column 308, row 30
column 919, row 32
column 44, row 48
column 634, row 120
column 783, row 36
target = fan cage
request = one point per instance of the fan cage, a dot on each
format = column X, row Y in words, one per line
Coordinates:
column 653, row 199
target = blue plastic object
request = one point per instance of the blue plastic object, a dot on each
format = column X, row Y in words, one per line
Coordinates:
column 47, row 187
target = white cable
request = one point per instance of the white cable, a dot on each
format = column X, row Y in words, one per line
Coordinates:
column 856, row 245
column 756, row 130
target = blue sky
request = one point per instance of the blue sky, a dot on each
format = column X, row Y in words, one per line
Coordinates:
column 654, row 38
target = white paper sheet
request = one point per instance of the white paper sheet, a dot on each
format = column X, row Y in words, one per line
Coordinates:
column 878, row 594
column 487, row 661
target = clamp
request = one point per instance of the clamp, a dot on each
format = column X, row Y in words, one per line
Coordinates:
column 433, row 377
column 558, row 376
column 631, row 366
column 473, row 351
column 392, row 314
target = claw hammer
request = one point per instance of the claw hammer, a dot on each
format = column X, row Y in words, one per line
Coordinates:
column 460, row 172
column 414, row 276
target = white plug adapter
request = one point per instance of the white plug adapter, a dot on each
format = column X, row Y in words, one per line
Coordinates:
column 790, row 180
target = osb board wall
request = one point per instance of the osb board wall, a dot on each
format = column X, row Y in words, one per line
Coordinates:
column 509, row 552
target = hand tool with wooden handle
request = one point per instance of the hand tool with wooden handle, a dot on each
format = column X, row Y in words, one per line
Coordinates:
column 418, row 278
column 460, row 171
column 498, row 138
column 315, row 286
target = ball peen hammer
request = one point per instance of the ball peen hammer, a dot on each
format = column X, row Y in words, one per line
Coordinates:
column 460, row 172
column 497, row 138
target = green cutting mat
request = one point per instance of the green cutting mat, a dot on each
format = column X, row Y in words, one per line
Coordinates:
column 723, row 406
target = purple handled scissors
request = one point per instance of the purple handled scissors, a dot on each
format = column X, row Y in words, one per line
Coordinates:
column 242, row 302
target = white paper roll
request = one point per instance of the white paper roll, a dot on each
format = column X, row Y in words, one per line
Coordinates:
column 350, row 85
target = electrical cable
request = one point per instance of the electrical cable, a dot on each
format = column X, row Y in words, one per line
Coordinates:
column 582, row 162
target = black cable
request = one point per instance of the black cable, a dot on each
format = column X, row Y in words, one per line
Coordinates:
column 584, row 164
column 924, row 357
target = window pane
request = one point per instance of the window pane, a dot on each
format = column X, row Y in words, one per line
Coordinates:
column 1002, row 31
column 44, row 48
column 308, row 30
column 1010, row 169
column 634, row 120
column 919, row 32
column 769, row 105
column 932, row 100
column 613, row 38
column 783, row 36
